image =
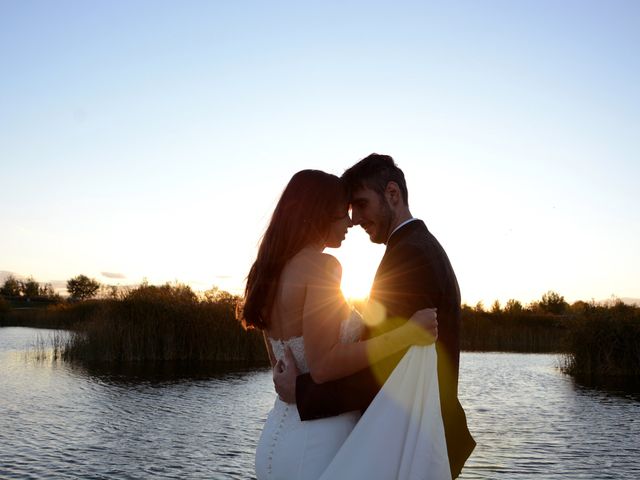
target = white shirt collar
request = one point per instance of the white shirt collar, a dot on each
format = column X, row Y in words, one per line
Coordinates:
column 400, row 226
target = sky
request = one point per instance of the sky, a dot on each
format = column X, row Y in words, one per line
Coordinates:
column 152, row 139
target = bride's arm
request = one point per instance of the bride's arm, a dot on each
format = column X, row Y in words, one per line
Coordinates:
column 324, row 310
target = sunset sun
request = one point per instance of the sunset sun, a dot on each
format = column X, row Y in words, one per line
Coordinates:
column 359, row 258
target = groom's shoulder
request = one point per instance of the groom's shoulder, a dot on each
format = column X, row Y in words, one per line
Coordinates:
column 417, row 244
column 415, row 237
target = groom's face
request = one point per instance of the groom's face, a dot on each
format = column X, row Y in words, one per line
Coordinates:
column 372, row 212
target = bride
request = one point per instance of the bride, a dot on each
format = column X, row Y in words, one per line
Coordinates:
column 293, row 294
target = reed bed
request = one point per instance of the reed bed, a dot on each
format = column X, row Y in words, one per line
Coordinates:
column 517, row 332
column 170, row 323
column 165, row 324
column 604, row 342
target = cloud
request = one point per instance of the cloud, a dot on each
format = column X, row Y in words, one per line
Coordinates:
column 113, row 275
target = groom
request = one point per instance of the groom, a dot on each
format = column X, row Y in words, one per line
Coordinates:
column 414, row 273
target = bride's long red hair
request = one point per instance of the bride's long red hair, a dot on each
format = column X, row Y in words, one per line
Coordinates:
column 302, row 217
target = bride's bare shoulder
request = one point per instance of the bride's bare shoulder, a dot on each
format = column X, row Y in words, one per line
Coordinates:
column 321, row 268
column 317, row 264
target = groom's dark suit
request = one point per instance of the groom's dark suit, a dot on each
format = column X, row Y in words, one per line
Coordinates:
column 415, row 273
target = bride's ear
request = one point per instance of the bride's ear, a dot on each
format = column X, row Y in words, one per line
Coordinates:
column 392, row 193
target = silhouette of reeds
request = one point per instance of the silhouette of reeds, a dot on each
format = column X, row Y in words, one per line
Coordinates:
column 165, row 324
column 47, row 349
column 513, row 332
column 604, row 341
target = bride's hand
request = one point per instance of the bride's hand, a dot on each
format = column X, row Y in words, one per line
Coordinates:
column 424, row 324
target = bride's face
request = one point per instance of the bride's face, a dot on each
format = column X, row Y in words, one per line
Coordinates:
column 338, row 228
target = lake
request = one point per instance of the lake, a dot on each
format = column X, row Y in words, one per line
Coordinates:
column 63, row 421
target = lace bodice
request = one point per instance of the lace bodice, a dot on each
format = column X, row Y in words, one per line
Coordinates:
column 350, row 331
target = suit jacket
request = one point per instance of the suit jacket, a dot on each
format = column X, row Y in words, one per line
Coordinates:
column 414, row 273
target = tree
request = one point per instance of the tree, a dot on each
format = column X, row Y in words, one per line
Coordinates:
column 580, row 307
column 215, row 295
column 46, row 290
column 553, row 302
column 495, row 308
column 113, row 292
column 479, row 307
column 82, row 287
column 513, row 306
column 30, row 288
column 11, row 287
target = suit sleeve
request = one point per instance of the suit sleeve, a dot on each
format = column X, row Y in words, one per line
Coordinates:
column 354, row 392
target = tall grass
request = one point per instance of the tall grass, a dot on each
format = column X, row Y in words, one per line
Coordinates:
column 604, row 342
column 165, row 324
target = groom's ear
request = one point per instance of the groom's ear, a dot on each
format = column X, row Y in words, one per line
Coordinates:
column 392, row 193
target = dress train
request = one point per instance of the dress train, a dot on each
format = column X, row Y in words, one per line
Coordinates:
column 401, row 434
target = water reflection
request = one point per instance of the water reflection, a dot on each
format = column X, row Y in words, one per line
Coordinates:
column 164, row 373
column 62, row 421
column 531, row 421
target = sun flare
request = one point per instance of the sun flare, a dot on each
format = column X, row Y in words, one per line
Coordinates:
column 355, row 287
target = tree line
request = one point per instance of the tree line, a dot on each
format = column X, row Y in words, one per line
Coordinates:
column 80, row 287
column 551, row 303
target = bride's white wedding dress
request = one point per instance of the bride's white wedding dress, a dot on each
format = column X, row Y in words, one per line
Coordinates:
column 400, row 436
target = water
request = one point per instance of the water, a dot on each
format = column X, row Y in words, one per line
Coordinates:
column 58, row 421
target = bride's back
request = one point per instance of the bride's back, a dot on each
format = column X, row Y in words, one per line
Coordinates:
column 287, row 311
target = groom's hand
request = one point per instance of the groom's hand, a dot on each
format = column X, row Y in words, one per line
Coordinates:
column 284, row 377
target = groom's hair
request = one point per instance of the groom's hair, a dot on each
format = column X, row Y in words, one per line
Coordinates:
column 375, row 172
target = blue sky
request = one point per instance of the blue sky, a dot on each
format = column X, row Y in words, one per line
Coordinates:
column 152, row 139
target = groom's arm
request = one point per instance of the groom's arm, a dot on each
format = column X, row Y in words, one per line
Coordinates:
column 354, row 392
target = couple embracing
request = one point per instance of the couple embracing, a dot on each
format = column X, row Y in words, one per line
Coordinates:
column 370, row 397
